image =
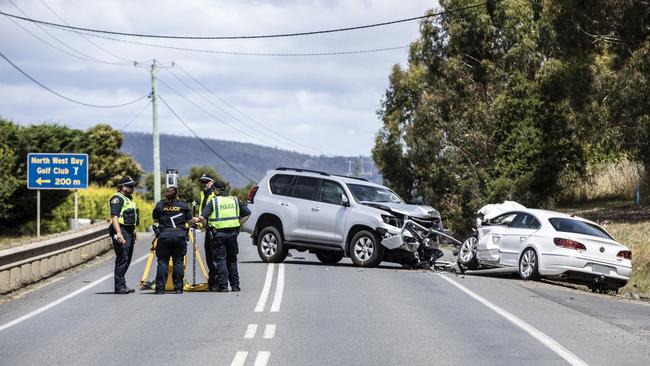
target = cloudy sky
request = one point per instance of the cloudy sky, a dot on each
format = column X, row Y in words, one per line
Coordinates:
column 316, row 105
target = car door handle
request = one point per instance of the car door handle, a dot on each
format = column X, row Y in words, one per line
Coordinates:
column 284, row 204
column 315, row 209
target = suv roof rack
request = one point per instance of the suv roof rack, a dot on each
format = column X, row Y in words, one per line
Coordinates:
column 302, row 170
column 347, row 176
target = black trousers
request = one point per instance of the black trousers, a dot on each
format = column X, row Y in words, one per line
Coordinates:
column 170, row 245
column 123, row 255
column 224, row 258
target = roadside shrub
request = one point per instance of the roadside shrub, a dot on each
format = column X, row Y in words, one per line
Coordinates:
column 93, row 204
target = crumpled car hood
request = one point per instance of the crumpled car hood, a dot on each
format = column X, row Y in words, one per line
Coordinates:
column 419, row 211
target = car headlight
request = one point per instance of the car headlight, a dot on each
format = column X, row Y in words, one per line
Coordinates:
column 392, row 220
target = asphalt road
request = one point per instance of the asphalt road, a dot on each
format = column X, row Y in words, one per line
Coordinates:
column 304, row 313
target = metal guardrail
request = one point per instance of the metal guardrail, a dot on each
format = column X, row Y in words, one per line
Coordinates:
column 20, row 266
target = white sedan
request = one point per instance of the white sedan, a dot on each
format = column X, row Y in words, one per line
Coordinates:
column 550, row 244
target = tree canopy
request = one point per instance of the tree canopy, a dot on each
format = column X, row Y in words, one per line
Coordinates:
column 502, row 101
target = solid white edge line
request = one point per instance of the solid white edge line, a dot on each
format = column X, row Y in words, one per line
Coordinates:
column 279, row 290
column 269, row 331
column 262, row 358
column 64, row 298
column 250, row 331
column 261, row 302
column 240, row 358
column 534, row 332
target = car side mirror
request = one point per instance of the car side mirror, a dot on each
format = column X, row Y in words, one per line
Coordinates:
column 344, row 200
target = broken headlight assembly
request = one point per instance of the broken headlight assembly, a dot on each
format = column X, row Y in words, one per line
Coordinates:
column 392, row 220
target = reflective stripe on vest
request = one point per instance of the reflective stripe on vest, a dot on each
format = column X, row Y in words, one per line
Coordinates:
column 128, row 204
column 225, row 212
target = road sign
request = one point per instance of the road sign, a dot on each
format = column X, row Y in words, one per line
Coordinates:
column 57, row 171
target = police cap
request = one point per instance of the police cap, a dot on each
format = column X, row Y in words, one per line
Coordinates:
column 126, row 181
column 219, row 185
column 206, row 178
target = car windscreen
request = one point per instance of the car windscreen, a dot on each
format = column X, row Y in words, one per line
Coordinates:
column 578, row 227
column 364, row 193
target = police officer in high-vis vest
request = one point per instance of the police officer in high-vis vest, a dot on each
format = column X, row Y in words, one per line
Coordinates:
column 207, row 193
column 124, row 219
column 224, row 214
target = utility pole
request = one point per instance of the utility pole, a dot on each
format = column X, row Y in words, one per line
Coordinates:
column 154, row 67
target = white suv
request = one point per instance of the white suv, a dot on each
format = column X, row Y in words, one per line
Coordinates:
column 335, row 216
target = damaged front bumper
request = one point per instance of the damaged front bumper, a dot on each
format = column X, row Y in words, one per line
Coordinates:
column 411, row 236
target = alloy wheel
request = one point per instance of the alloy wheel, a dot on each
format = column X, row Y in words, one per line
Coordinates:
column 528, row 263
column 364, row 248
column 269, row 244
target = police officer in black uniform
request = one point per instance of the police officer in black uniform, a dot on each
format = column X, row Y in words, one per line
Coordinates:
column 224, row 214
column 171, row 214
column 124, row 219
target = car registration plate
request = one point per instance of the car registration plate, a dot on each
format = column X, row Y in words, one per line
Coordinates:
column 597, row 268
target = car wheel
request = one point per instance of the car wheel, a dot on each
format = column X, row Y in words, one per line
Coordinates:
column 365, row 251
column 329, row 257
column 529, row 265
column 269, row 245
column 467, row 253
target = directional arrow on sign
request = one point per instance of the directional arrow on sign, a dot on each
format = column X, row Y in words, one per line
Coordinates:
column 41, row 181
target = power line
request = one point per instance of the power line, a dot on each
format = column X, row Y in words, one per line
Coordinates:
column 286, row 139
column 63, row 96
column 241, row 53
column 245, row 133
column 80, row 56
column 85, row 38
column 203, row 141
column 279, row 35
column 146, row 106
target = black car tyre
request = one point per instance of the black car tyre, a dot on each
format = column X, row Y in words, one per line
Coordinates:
column 467, row 253
column 329, row 257
column 365, row 250
column 529, row 265
column 269, row 245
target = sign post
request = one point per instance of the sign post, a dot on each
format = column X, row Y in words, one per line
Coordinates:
column 56, row 171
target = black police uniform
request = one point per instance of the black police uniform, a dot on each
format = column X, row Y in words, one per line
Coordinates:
column 123, row 253
column 224, row 249
column 172, row 241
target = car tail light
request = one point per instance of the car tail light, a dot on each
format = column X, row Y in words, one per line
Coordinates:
column 625, row 254
column 251, row 194
column 569, row 244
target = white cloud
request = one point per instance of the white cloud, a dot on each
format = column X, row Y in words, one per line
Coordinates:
column 327, row 102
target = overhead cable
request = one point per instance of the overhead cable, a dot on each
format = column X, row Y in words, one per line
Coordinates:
column 84, row 37
column 260, row 125
column 242, row 53
column 80, row 55
column 67, row 98
column 146, row 106
column 279, row 35
column 203, row 141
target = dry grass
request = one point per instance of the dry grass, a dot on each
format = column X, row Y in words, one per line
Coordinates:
column 636, row 236
column 609, row 181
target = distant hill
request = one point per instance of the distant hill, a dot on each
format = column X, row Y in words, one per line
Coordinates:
column 183, row 152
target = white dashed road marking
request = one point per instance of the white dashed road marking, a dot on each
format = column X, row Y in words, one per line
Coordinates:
column 239, row 359
column 534, row 332
column 262, row 358
column 269, row 331
column 250, row 331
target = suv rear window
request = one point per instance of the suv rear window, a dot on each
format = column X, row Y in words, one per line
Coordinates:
column 281, row 184
column 306, row 187
column 578, row 227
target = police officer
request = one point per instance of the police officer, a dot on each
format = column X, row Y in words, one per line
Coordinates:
column 171, row 214
column 224, row 214
column 207, row 193
column 124, row 219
